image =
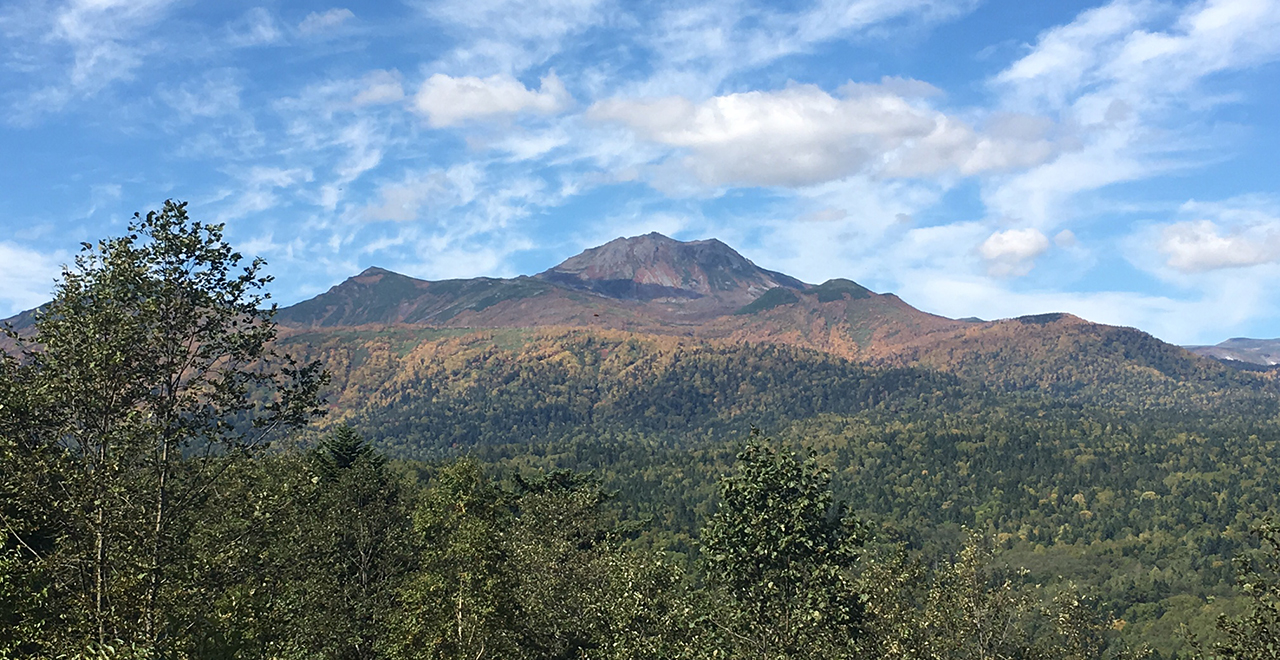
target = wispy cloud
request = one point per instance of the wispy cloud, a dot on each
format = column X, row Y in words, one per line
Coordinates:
column 325, row 21
column 28, row 276
column 215, row 94
column 1126, row 75
column 507, row 37
column 76, row 49
column 257, row 27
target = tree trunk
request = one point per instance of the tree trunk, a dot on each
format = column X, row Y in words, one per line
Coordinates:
column 156, row 563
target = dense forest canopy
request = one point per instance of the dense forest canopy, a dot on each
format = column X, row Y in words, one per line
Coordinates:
column 179, row 479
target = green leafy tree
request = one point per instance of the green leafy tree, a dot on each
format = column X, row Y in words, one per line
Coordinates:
column 972, row 607
column 782, row 553
column 459, row 604
column 154, row 363
column 1255, row 635
column 538, row 572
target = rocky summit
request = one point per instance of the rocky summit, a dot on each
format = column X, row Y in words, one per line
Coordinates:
column 654, row 267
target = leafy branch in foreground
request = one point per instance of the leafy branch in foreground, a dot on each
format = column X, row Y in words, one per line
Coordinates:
column 149, row 371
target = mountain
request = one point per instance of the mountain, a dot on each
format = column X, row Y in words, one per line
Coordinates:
column 1243, row 352
column 629, row 283
column 706, row 291
column 649, row 284
column 23, row 324
column 706, row 278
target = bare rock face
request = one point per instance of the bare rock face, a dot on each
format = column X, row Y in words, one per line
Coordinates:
column 656, row 268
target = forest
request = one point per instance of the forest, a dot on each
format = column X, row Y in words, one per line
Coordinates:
column 181, row 479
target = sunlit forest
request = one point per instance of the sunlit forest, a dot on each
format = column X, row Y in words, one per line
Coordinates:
column 181, row 479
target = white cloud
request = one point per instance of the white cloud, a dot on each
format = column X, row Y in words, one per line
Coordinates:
column 380, row 88
column 1200, row 246
column 441, row 189
column 1115, row 52
column 27, row 279
column 317, row 22
column 1067, row 58
column 1235, row 234
column 1202, row 318
column 448, row 101
column 802, row 135
column 257, row 190
column 506, row 37
column 529, row 145
column 1012, row 252
column 829, row 214
column 698, row 47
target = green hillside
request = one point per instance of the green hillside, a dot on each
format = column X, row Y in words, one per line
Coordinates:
column 1097, row 455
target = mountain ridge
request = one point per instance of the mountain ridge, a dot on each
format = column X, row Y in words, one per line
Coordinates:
column 653, row 284
column 1243, row 352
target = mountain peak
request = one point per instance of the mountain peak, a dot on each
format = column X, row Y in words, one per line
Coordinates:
column 654, row 266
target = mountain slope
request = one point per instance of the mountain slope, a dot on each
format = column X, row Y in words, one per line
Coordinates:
column 378, row 296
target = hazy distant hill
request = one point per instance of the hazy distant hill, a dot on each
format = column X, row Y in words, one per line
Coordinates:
column 1262, row 352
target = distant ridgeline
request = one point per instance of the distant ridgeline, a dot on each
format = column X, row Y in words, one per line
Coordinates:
column 1090, row 453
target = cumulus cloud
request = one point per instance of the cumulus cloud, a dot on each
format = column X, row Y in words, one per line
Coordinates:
column 802, row 135
column 448, row 101
column 1012, row 253
column 317, row 22
column 1200, row 246
column 1236, row 233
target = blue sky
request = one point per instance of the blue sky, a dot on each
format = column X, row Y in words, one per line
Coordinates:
column 1114, row 160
